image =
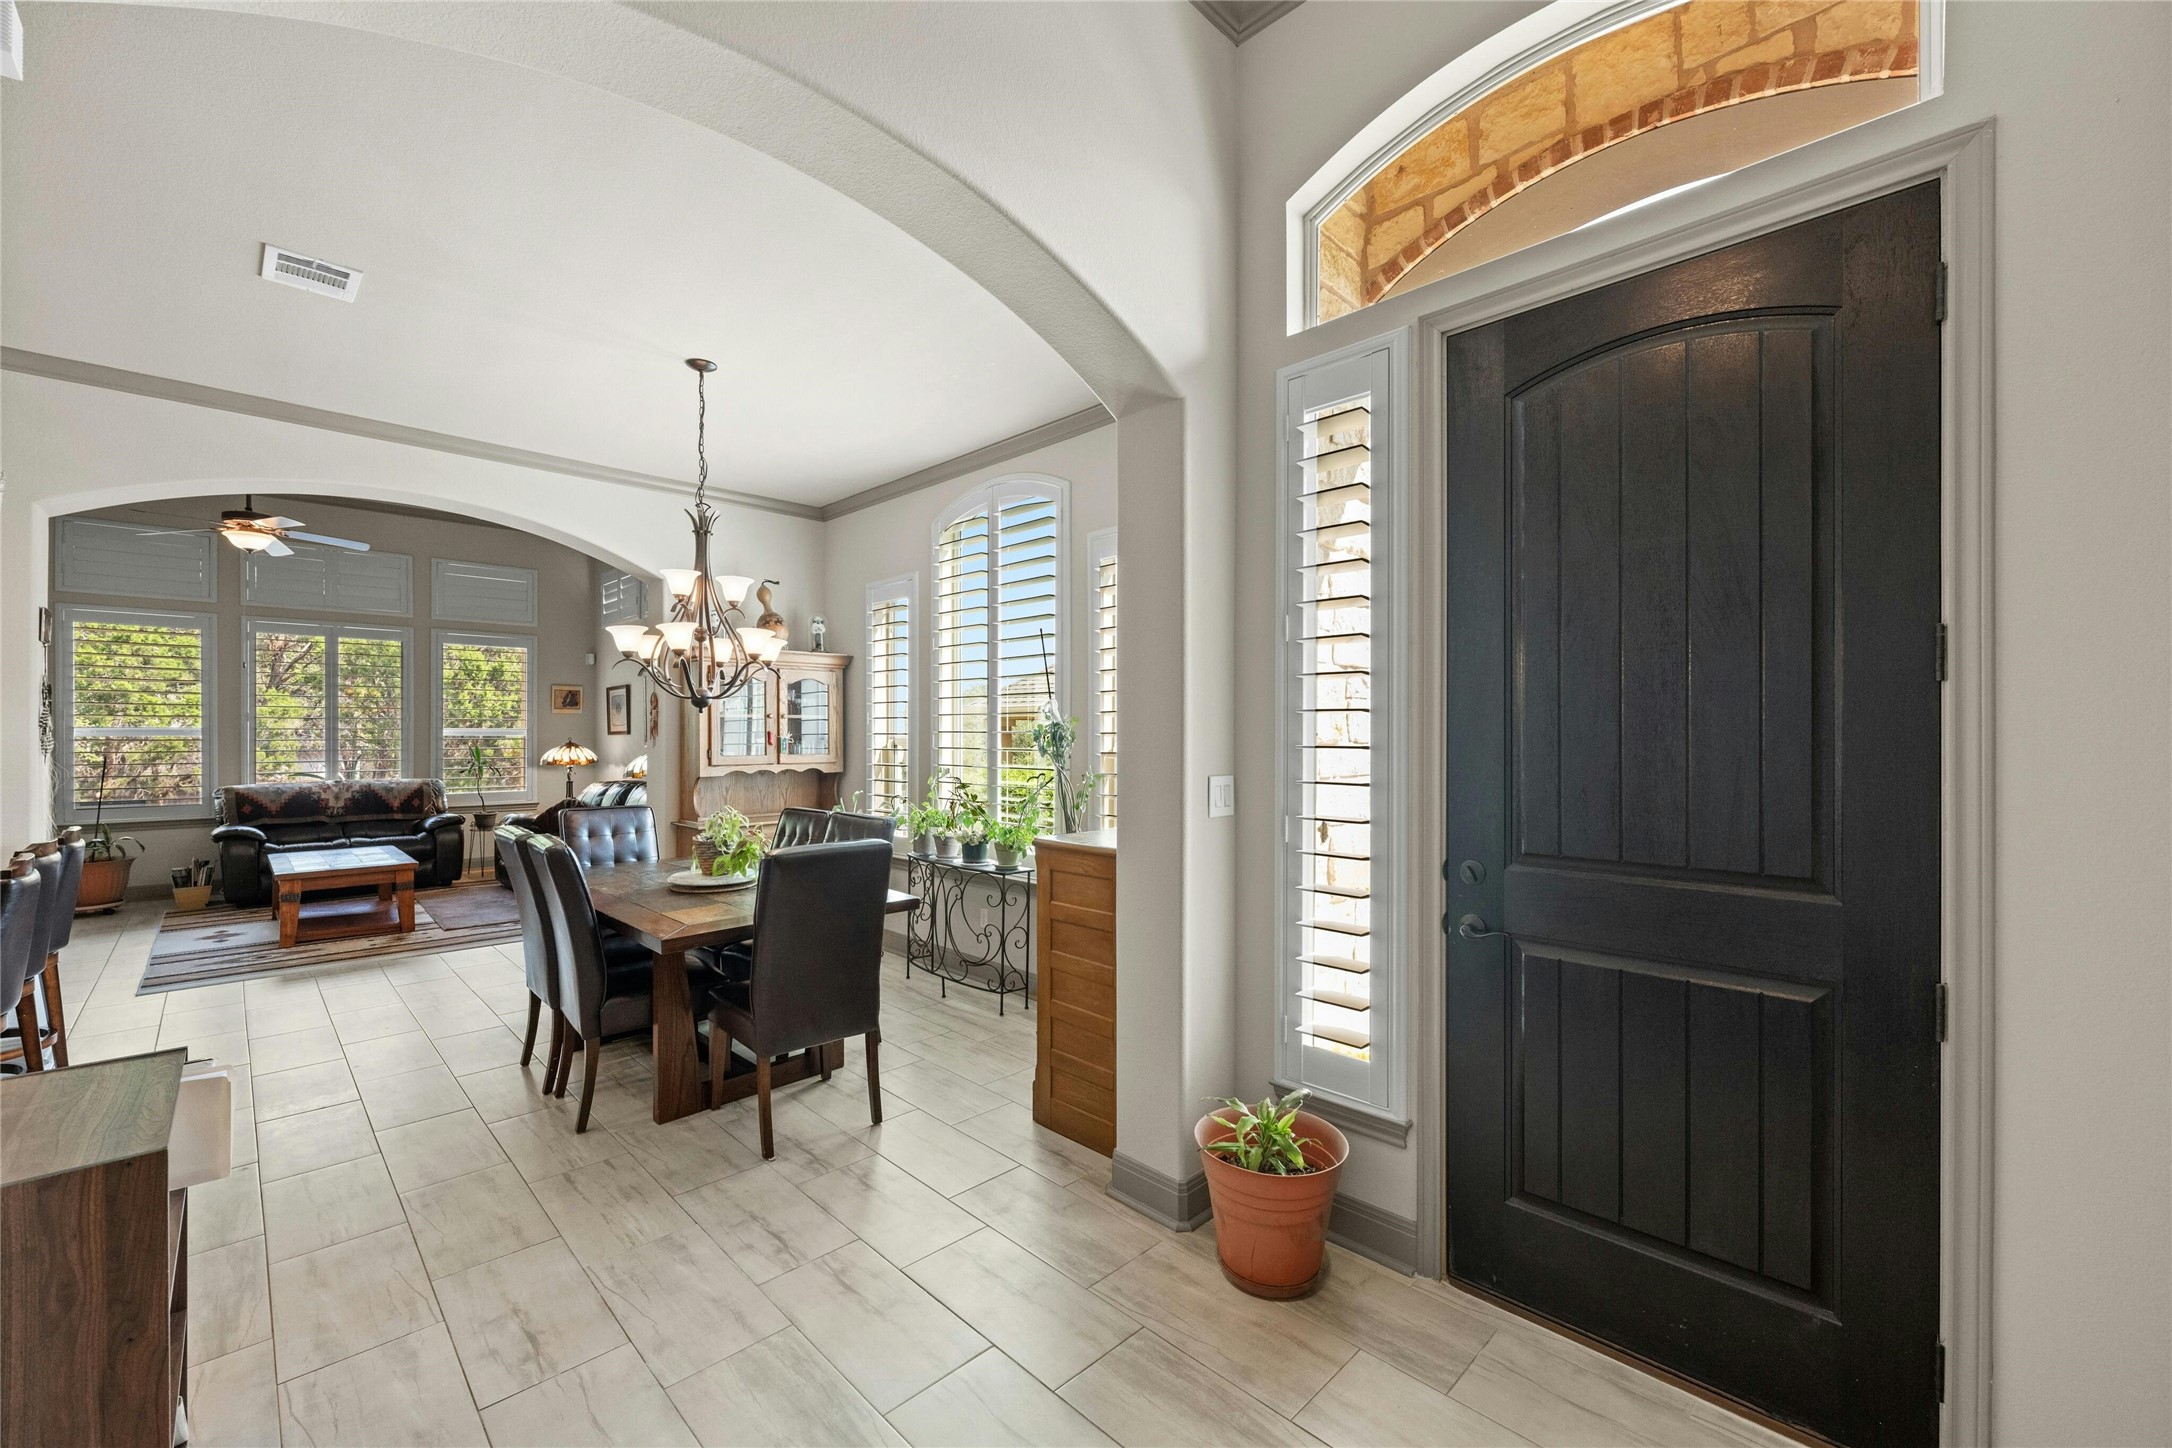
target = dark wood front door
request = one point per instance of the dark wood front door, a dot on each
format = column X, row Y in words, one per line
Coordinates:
column 1693, row 763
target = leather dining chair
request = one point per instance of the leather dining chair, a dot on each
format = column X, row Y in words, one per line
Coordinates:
column 20, row 936
column 538, row 948
column 848, row 824
column 799, row 825
column 603, row 979
column 610, row 834
column 59, row 864
column 815, row 974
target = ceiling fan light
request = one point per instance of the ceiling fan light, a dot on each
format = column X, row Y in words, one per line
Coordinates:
column 248, row 540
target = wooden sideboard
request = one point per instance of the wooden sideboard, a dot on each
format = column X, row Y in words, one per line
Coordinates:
column 1074, row 1077
column 93, row 1256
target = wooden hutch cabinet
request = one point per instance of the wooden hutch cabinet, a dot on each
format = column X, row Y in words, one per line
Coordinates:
column 780, row 741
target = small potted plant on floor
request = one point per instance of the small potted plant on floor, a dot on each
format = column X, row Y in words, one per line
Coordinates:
column 1271, row 1171
column 486, row 818
column 106, row 860
column 728, row 848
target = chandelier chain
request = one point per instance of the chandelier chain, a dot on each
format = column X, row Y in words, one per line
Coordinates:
column 701, row 437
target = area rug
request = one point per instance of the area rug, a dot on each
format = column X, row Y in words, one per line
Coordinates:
column 225, row 944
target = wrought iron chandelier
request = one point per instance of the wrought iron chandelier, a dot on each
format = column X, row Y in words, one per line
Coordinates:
column 697, row 654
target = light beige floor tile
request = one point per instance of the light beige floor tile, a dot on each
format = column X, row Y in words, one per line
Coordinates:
column 234, row 1400
column 225, row 1211
column 1070, row 1231
column 1541, row 1355
column 491, row 1046
column 992, row 1400
column 438, row 1149
column 406, row 1391
column 688, row 1153
column 408, row 969
column 523, row 1318
column 244, row 1137
column 684, row 1304
column 890, row 1209
column 345, row 1299
column 308, row 1140
column 203, row 997
column 502, row 996
column 282, row 1014
column 807, row 1145
column 349, row 996
column 295, row 1048
column 471, row 1219
column 1261, row 1347
column 939, row 1154
column 609, row 1207
column 938, row 1091
column 778, row 1391
column 1529, row 1381
column 305, row 1088
column 110, row 1045
column 268, row 988
column 879, row 1327
column 230, row 1049
column 764, row 1223
column 229, row 1300
column 975, row 1062
column 132, row 1013
column 1429, row 1337
column 608, row 1402
column 1010, row 1129
column 391, row 1056
column 501, row 1093
column 1372, row 1405
column 371, row 1022
column 330, row 1205
column 411, row 1096
column 842, row 1101
column 459, row 1019
column 187, row 1020
column 1041, row 1319
column 543, row 1143
column 1147, row 1392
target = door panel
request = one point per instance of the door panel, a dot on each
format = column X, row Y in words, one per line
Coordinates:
column 1693, row 1082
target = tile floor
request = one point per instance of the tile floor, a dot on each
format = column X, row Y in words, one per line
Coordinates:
column 415, row 1247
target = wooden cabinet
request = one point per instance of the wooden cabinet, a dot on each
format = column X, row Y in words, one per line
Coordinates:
column 93, row 1256
column 1074, row 1076
column 791, row 716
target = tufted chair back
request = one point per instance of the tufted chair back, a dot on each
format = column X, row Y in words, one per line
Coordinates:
column 536, row 944
column 21, row 931
column 800, row 826
column 848, row 824
column 612, row 835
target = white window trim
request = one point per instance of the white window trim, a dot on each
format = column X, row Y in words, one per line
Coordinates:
column 1100, row 544
column 66, row 810
column 332, row 630
column 904, row 588
column 1386, row 1103
column 991, row 496
column 526, row 794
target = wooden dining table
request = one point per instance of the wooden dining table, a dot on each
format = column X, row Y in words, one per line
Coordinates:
column 638, row 899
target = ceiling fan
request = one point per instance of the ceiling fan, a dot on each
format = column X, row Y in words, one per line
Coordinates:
column 254, row 532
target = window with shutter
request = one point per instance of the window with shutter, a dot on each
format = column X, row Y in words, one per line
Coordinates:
column 486, row 715
column 998, row 641
column 889, row 695
column 624, row 599
column 314, row 576
column 313, row 686
column 482, row 592
column 1101, row 557
column 136, row 560
column 134, row 704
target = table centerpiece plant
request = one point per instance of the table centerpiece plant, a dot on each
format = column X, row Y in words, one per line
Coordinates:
column 728, row 847
column 1272, row 1170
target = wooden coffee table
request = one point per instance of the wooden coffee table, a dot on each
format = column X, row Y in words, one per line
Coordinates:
column 340, row 867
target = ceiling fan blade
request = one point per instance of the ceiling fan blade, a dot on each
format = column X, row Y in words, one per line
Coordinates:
column 283, row 523
column 278, row 550
column 347, row 543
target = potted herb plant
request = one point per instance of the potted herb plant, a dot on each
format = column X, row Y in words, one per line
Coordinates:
column 925, row 823
column 106, row 861
column 728, row 847
column 973, row 826
column 1011, row 844
column 1271, row 1171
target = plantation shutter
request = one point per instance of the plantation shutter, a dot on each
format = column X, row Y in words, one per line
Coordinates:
column 485, row 690
column 1104, row 622
column 962, row 654
column 889, row 700
column 1027, row 630
column 133, row 703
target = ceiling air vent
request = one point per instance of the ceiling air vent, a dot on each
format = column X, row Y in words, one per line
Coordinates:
column 308, row 273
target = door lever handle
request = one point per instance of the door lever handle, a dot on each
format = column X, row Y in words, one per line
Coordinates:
column 1473, row 927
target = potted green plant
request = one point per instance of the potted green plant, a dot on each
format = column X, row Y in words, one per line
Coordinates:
column 1011, row 844
column 728, row 847
column 1054, row 737
column 973, row 825
column 925, row 823
column 1272, row 1170
column 106, row 861
column 478, row 770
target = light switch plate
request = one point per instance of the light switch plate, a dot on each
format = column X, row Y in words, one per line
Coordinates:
column 1221, row 795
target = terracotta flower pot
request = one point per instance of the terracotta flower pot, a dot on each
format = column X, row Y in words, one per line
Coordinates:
column 105, row 883
column 1271, row 1231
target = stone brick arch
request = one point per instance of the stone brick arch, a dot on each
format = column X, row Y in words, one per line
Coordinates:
column 1693, row 59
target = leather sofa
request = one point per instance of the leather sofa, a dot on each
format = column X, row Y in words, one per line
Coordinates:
column 604, row 794
column 258, row 821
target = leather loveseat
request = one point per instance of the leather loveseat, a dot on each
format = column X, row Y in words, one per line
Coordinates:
column 258, row 821
column 603, row 794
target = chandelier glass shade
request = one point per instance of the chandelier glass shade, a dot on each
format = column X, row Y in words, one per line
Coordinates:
column 697, row 653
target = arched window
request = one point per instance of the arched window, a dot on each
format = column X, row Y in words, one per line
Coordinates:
column 997, row 633
column 1579, row 112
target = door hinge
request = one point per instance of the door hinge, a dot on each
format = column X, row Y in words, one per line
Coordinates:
column 1941, row 1372
column 1944, row 1012
column 1938, row 311
column 1945, row 654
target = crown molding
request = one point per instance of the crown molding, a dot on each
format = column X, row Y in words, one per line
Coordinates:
column 1240, row 20
column 1016, row 445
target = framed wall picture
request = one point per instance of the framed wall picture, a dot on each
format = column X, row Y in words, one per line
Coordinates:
column 618, row 709
column 567, row 698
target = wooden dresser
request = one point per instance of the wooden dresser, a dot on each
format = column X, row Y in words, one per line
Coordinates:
column 93, row 1256
column 1074, row 931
